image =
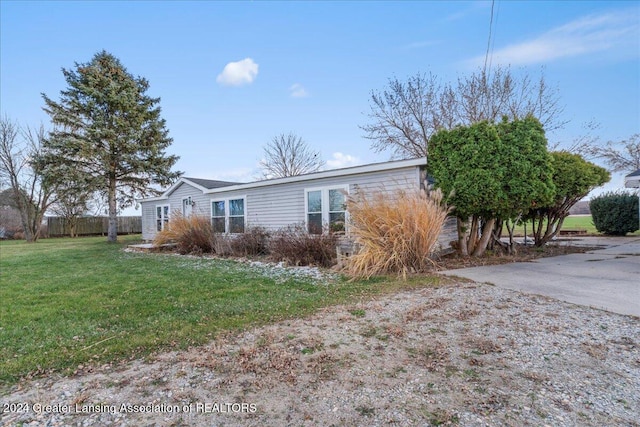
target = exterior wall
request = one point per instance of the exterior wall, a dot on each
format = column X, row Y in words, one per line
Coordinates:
column 148, row 220
column 279, row 205
column 202, row 206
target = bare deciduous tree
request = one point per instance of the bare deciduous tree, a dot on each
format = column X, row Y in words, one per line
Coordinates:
column 19, row 147
column 73, row 202
column 491, row 97
column 620, row 156
column 289, row 155
column 583, row 144
column 407, row 114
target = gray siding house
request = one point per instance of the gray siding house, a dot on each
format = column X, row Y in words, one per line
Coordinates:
column 314, row 199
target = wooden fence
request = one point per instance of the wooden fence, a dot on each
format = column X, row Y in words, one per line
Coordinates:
column 94, row 225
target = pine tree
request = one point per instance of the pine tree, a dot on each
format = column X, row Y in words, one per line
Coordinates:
column 109, row 136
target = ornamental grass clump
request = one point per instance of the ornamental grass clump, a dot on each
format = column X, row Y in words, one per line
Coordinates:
column 191, row 234
column 396, row 232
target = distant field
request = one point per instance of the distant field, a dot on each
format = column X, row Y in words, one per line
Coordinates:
column 571, row 222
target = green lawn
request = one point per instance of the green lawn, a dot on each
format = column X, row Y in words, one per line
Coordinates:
column 571, row 222
column 65, row 302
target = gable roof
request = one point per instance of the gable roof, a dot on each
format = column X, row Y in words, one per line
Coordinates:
column 632, row 180
column 353, row 170
column 208, row 186
column 210, row 183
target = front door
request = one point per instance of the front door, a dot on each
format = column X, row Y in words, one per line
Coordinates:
column 187, row 207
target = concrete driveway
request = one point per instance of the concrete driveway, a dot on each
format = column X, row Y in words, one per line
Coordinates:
column 608, row 278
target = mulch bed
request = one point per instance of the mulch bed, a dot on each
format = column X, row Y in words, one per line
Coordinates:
column 453, row 261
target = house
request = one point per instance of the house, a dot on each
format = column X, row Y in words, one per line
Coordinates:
column 632, row 180
column 315, row 199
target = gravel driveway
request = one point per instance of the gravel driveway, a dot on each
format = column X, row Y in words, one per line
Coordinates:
column 460, row 354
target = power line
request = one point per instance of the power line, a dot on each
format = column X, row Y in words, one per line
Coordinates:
column 486, row 57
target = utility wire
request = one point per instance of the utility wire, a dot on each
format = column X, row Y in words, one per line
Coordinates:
column 486, row 57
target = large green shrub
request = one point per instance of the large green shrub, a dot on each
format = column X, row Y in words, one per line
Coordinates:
column 615, row 213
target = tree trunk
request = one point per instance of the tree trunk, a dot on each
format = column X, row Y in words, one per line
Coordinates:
column 487, row 230
column 23, row 207
column 112, row 230
column 472, row 241
column 463, row 237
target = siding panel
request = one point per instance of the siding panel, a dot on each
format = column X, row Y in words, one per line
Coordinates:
column 280, row 205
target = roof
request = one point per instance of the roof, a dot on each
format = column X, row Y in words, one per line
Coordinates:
column 209, row 186
column 632, row 180
column 211, row 183
column 353, row 170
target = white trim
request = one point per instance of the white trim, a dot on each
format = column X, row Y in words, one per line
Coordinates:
column 164, row 218
column 175, row 186
column 153, row 199
column 189, row 203
column 632, row 182
column 227, row 211
column 324, row 199
column 165, row 195
column 355, row 170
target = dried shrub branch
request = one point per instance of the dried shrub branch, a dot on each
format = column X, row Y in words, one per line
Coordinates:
column 297, row 247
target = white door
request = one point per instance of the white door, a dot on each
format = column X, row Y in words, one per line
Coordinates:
column 187, row 207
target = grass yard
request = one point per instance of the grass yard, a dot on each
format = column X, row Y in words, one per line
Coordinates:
column 571, row 222
column 66, row 302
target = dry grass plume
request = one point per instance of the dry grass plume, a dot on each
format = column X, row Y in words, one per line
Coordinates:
column 396, row 232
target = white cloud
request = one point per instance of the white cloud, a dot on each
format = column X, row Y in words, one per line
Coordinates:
column 341, row 160
column 298, row 91
column 238, row 73
column 615, row 31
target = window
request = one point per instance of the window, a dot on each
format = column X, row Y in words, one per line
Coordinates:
column 337, row 210
column 218, row 216
column 162, row 217
column 236, row 216
column 326, row 206
column 227, row 216
column 314, row 212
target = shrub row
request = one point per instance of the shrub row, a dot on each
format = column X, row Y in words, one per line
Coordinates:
column 195, row 235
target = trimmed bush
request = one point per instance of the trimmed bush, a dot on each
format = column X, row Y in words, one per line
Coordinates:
column 192, row 234
column 396, row 233
column 615, row 214
column 297, row 247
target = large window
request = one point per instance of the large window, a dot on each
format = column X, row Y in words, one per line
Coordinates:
column 162, row 217
column 326, row 207
column 218, row 216
column 227, row 216
column 236, row 216
column 314, row 212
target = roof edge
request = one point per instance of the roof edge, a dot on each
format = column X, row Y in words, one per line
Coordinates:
column 353, row 170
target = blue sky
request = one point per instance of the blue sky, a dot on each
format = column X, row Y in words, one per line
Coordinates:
column 232, row 75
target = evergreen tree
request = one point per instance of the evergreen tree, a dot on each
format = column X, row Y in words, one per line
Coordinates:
column 109, row 136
